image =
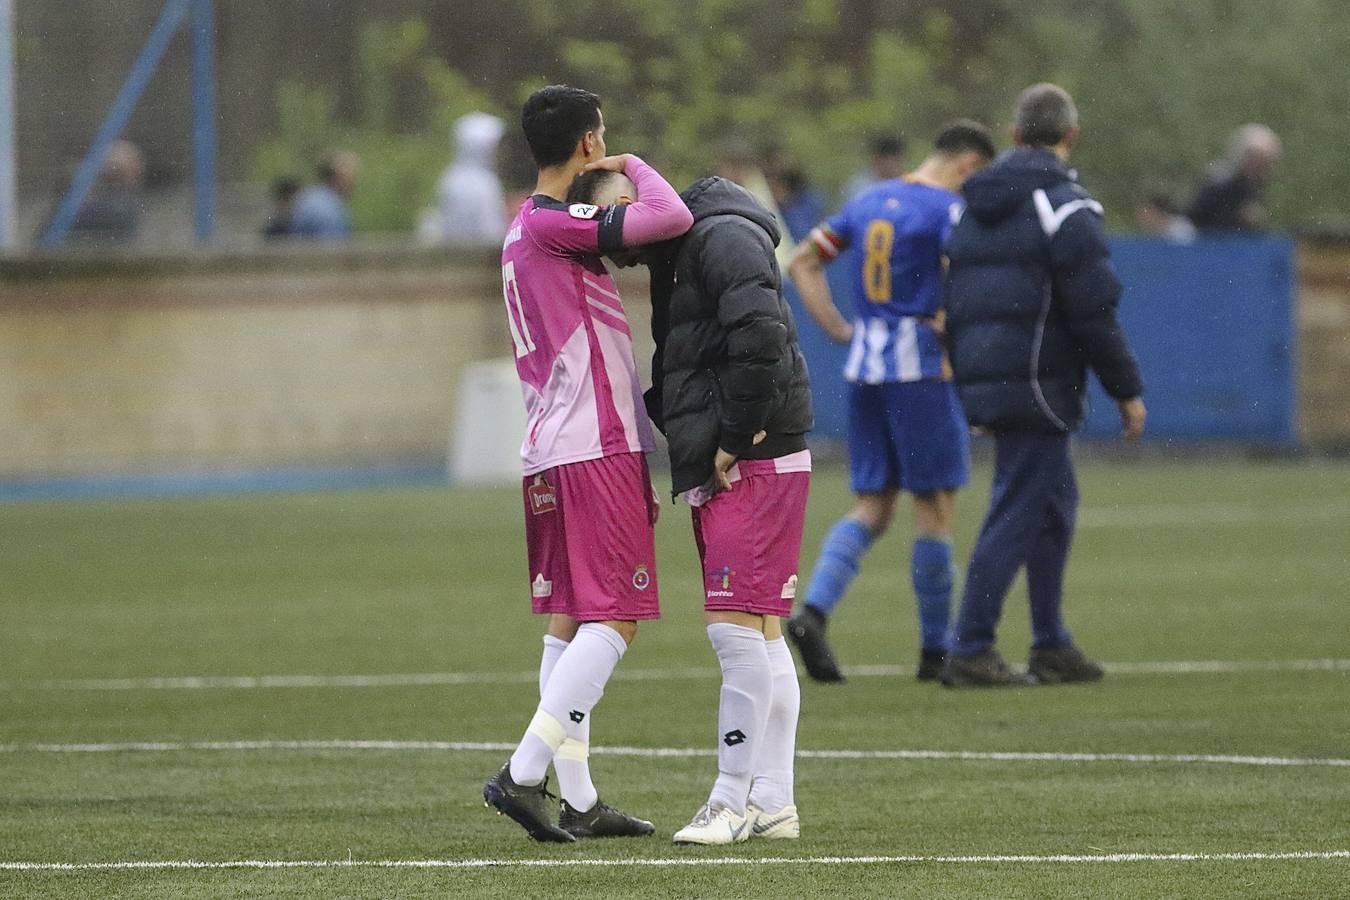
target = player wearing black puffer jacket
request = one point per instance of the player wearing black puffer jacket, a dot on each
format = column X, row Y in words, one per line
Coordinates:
column 1031, row 304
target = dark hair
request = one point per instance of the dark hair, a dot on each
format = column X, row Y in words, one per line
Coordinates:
column 965, row 136
column 587, row 186
column 886, row 145
column 555, row 118
column 285, row 188
column 1044, row 115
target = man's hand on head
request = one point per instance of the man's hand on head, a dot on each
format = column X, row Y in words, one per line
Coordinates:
column 612, row 163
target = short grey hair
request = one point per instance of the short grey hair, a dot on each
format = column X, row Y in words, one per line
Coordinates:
column 1253, row 139
column 1044, row 115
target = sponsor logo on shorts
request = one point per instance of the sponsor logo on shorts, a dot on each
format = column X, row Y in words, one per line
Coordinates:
column 725, row 577
column 541, row 587
column 642, row 579
column 543, row 498
column 789, row 589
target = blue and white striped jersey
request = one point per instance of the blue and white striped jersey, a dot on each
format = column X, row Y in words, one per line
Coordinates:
column 898, row 229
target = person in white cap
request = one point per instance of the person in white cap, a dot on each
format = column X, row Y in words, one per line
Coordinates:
column 470, row 207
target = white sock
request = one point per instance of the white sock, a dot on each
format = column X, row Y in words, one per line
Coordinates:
column 553, row 651
column 575, row 685
column 771, row 789
column 747, row 686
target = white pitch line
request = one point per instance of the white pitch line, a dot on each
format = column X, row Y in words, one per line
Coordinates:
column 451, row 679
column 679, row 861
column 1200, row 514
column 683, row 752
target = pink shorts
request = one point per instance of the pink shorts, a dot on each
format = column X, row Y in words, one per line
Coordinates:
column 750, row 537
column 590, row 540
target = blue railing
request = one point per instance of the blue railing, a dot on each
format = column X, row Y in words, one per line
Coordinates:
column 1212, row 324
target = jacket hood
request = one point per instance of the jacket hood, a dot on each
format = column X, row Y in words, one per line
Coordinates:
column 475, row 137
column 717, row 196
column 998, row 191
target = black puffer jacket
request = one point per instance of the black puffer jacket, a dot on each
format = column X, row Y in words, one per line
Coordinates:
column 1031, row 298
column 727, row 364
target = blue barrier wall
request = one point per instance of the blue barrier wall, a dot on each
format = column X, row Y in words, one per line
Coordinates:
column 1212, row 324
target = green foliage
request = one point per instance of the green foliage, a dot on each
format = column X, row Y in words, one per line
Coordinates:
column 1161, row 84
column 401, row 156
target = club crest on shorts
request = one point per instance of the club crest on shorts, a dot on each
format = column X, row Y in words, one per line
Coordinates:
column 789, row 589
column 543, row 498
column 541, row 587
column 642, row 579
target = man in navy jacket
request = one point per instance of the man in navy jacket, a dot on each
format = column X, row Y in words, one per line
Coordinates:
column 1031, row 305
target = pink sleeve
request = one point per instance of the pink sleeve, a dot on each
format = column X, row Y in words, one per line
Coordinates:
column 659, row 214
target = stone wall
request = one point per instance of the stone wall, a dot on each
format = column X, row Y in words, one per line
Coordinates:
column 296, row 359
column 1324, row 343
column 314, row 357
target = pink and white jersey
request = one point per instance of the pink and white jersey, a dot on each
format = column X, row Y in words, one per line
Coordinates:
column 573, row 345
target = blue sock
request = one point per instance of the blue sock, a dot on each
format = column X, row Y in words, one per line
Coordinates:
column 932, row 573
column 846, row 543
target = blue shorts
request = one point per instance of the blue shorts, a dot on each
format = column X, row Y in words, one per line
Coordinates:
column 907, row 435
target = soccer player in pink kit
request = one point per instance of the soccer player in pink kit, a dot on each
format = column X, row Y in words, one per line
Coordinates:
column 590, row 510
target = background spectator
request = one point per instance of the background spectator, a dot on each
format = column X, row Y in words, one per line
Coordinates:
column 886, row 160
column 112, row 212
column 1230, row 197
column 470, row 205
column 321, row 209
column 1158, row 215
column 800, row 206
column 280, row 222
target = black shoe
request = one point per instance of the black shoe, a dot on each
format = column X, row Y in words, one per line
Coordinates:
column 807, row 631
column 985, row 669
column 531, row 806
column 1063, row 665
column 602, row 820
column 930, row 664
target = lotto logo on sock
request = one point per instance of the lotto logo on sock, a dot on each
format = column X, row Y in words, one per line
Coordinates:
column 732, row 738
column 576, row 715
column 543, row 499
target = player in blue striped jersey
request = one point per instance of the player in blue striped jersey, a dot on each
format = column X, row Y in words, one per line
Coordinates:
column 906, row 428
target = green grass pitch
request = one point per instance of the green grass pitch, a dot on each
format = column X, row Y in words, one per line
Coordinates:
column 1229, row 562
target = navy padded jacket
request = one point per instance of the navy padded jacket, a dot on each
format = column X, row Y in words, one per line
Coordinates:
column 1031, row 298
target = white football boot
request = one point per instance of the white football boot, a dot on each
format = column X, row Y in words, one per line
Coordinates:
column 784, row 825
column 714, row 826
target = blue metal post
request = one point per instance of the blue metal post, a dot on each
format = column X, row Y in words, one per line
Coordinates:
column 125, row 104
column 204, row 116
column 8, row 232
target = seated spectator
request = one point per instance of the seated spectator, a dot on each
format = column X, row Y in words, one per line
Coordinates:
column 1159, row 216
column 886, row 160
column 800, row 206
column 280, row 223
column 320, row 210
column 1230, row 197
column 112, row 211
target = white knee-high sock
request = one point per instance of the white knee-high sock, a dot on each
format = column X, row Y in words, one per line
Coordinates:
column 571, row 761
column 553, row 651
column 772, row 787
column 747, row 686
column 575, row 685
